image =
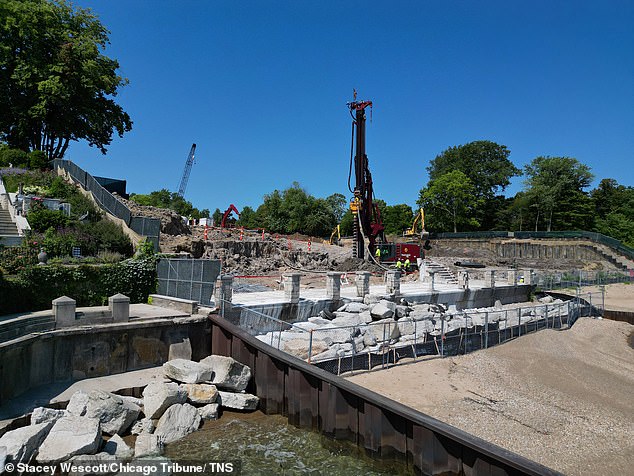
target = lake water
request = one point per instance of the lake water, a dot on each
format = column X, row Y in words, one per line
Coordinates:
column 268, row 445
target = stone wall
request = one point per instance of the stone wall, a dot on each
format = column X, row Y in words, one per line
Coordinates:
column 78, row 353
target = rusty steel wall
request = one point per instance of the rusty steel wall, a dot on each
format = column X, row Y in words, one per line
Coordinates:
column 316, row 400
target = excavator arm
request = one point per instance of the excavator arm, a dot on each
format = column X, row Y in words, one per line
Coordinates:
column 232, row 208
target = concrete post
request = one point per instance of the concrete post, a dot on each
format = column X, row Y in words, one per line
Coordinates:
column 362, row 280
column 119, row 306
column 333, row 286
column 511, row 277
column 224, row 292
column 291, row 287
column 64, row 311
column 528, row 276
column 489, row 279
column 393, row 283
column 463, row 279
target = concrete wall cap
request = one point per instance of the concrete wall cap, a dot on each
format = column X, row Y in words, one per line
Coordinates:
column 63, row 300
column 119, row 298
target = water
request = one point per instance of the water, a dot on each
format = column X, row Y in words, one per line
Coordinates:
column 268, row 445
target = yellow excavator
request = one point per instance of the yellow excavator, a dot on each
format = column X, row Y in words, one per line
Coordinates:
column 335, row 237
column 420, row 217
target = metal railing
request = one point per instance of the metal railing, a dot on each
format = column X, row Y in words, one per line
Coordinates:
column 578, row 278
column 364, row 346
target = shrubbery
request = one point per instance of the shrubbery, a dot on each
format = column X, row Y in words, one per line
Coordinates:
column 35, row 287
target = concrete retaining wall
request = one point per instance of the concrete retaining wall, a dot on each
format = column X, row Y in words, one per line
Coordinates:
column 77, row 353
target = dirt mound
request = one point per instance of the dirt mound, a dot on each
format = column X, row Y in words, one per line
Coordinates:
column 171, row 222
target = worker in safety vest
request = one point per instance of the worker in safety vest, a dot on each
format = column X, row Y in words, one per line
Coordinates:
column 406, row 266
column 377, row 253
column 399, row 265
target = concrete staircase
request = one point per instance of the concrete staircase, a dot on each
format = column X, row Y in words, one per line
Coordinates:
column 441, row 273
column 7, row 227
column 612, row 256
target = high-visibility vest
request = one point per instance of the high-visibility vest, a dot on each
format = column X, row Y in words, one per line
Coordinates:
column 378, row 253
column 407, row 263
column 399, row 264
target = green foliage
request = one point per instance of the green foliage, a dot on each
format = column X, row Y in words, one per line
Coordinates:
column 248, row 218
column 36, row 286
column 450, row 201
column 31, row 178
column 484, row 162
column 346, row 224
column 16, row 258
column 13, row 157
column 38, row 160
column 57, row 86
column 216, row 217
column 554, row 186
column 397, row 219
column 41, row 218
column 145, row 249
column 171, row 200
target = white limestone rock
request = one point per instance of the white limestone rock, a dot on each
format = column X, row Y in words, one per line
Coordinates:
column 21, row 443
column 347, row 319
column 238, row 401
column 43, row 414
column 70, row 436
column 177, row 421
column 401, row 311
column 186, row 371
column 356, row 307
column 93, row 460
column 115, row 414
column 148, row 444
column 209, row 412
column 370, row 299
column 384, row 330
column 381, row 311
column 307, row 326
column 336, row 335
column 144, row 425
column 158, row 396
column 117, row 447
column 202, row 393
column 369, row 340
column 227, row 373
column 300, row 348
column 331, row 353
column 320, row 321
column 365, row 317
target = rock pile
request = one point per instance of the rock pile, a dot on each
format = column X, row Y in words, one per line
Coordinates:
column 191, row 393
column 376, row 323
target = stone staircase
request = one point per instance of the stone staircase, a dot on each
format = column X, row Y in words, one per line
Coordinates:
column 7, row 227
column 441, row 273
column 612, row 256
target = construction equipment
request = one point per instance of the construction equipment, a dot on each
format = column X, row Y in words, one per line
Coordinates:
column 367, row 224
column 232, row 208
column 188, row 168
column 335, row 236
column 420, row 218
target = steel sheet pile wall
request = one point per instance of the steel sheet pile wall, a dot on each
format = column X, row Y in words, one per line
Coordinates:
column 316, row 400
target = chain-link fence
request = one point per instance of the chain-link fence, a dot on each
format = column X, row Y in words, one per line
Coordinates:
column 366, row 345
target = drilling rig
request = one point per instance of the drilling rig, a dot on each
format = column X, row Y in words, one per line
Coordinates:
column 367, row 224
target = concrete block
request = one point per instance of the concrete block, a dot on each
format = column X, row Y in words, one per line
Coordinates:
column 291, row 287
column 64, row 311
column 224, row 293
column 528, row 276
column 393, row 282
column 511, row 276
column 489, row 278
column 362, row 280
column 169, row 302
column 333, row 286
column 119, row 306
column 463, row 279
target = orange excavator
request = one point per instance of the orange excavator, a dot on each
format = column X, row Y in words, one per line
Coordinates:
column 232, row 208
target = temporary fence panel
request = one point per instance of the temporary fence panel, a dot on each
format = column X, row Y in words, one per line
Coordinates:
column 192, row 279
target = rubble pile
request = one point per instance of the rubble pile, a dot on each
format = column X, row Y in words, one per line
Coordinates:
column 93, row 424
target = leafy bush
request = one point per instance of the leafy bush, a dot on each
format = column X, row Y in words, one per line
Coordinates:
column 14, row 157
column 34, row 177
column 14, row 259
column 109, row 237
column 90, row 285
column 38, row 160
column 41, row 218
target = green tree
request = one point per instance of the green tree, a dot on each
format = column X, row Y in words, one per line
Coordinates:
column 56, row 85
column 614, row 210
column 248, row 218
column 450, row 201
column 216, row 217
column 397, row 219
column 554, row 187
column 171, row 200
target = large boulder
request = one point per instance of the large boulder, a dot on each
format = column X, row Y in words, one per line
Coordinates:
column 70, row 436
column 202, row 393
column 384, row 330
column 106, row 463
column 299, row 347
column 186, row 371
column 355, row 307
column 43, row 415
column 347, row 319
column 147, row 444
column 115, row 414
column 227, row 373
column 117, row 447
column 382, row 310
column 334, row 334
column 238, row 401
column 158, row 396
column 209, row 412
column 144, row 425
column 20, row 444
column 177, row 421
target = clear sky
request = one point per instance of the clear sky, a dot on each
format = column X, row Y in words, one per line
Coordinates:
column 261, row 87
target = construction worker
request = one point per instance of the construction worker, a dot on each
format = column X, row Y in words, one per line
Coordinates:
column 406, row 265
column 377, row 254
column 399, row 265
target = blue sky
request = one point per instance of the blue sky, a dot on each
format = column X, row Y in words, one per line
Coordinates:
column 261, row 87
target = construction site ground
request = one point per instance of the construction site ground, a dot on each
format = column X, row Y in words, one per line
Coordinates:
column 561, row 398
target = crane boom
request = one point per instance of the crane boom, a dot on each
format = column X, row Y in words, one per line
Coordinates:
column 186, row 172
